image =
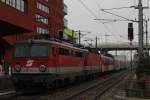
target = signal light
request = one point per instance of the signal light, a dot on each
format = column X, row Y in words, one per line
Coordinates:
column 130, row 31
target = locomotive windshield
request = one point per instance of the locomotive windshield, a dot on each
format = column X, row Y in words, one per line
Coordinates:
column 31, row 50
column 39, row 51
column 22, row 51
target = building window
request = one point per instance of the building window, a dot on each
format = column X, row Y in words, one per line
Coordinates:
column 22, row 6
column 8, row 2
column 2, row 0
column 42, row 7
column 41, row 19
column 18, row 4
column 42, row 31
column 14, row 3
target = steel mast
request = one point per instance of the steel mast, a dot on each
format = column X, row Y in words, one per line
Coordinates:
column 140, row 26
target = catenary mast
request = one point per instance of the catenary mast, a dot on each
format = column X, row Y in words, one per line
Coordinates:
column 140, row 49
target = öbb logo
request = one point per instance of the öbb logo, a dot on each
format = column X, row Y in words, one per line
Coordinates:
column 29, row 63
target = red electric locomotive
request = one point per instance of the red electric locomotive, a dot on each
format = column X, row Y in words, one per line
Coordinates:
column 45, row 63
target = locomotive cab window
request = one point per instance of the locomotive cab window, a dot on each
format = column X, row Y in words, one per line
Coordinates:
column 38, row 50
column 32, row 50
column 22, row 50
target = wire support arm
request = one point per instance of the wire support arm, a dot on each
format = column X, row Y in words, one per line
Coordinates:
column 127, row 19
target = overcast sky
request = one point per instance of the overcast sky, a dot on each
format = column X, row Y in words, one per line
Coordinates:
column 79, row 18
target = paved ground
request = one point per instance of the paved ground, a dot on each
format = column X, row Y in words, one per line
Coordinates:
column 5, row 84
column 118, row 92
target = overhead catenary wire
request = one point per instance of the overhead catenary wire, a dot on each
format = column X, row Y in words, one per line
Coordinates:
column 88, row 8
column 107, row 27
column 112, row 33
column 134, row 6
column 96, row 16
column 114, row 19
column 118, row 15
column 118, row 8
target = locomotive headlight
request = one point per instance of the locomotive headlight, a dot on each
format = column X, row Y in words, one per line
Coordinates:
column 17, row 68
column 42, row 68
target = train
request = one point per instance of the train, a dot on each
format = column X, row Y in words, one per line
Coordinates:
column 50, row 63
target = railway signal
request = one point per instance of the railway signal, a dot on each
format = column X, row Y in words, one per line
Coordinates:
column 130, row 31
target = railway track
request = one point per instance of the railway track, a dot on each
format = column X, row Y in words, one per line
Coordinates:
column 6, row 95
column 90, row 90
column 97, row 90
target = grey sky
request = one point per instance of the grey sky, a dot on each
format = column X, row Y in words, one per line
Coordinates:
column 80, row 19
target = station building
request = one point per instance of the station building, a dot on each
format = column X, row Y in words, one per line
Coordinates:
column 21, row 20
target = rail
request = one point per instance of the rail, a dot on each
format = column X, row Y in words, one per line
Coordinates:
column 8, row 94
column 100, row 85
